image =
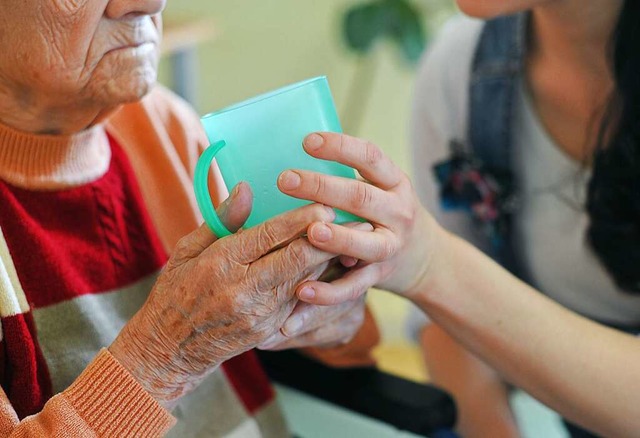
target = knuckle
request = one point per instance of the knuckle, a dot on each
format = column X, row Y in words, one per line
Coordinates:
column 319, row 186
column 183, row 243
column 405, row 216
column 268, row 235
column 355, row 292
column 270, row 232
column 372, row 154
column 283, row 293
column 386, row 250
column 361, row 197
column 183, row 249
column 261, row 328
column 299, row 255
column 404, row 212
column 318, row 212
column 257, row 316
column 405, row 182
column 342, row 145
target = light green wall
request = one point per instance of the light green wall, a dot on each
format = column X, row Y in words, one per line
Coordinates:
column 264, row 44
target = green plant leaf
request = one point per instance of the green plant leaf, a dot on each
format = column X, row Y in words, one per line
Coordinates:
column 396, row 19
column 410, row 35
column 407, row 29
column 363, row 25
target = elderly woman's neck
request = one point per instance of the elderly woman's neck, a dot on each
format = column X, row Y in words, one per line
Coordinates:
column 26, row 115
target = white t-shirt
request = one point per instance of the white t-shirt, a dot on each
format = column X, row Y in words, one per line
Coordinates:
column 549, row 228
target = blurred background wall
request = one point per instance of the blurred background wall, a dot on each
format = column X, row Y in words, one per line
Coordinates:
column 264, row 44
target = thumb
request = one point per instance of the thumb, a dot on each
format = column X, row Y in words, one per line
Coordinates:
column 233, row 212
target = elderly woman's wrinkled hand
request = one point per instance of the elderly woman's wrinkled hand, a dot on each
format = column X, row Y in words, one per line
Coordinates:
column 217, row 299
column 312, row 325
column 398, row 253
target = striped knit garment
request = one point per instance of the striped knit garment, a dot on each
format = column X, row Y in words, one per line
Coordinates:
column 77, row 261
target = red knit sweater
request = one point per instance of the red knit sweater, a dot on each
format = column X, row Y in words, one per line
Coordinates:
column 80, row 254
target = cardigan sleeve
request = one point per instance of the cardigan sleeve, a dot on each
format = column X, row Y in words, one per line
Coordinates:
column 104, row 401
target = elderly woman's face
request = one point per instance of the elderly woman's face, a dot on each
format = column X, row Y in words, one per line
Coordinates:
column 90, row 52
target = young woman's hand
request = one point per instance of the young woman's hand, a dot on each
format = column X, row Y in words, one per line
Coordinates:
column 397, row 254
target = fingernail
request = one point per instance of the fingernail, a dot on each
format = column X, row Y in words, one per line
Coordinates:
column 235, row 191
column 331, row 214
column 313, row 142
column 307, row 293
column 321, row 233
column 349, row 262
column 364, row 226
column 293, row 326
column 289, row 180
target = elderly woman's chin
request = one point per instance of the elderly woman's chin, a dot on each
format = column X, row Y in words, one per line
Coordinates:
column 129, row 88
column 125, row 78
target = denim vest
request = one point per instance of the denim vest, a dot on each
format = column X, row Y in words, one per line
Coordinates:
column 496, row 69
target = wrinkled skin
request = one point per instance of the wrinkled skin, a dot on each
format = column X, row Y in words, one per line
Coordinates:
column 323, row 326
column 217, row 299
column 313, row 325
column 67, row 63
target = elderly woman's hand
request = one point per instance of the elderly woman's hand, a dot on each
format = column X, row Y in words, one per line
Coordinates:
column 397, row 255
column 217, row 299
column 311, row 325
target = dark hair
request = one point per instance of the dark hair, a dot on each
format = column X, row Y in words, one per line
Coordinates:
column 613, row 201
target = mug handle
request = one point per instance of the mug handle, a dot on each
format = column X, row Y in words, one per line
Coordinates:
column 201, row 187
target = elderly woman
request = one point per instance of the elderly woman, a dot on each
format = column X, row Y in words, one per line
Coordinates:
column 103, row 302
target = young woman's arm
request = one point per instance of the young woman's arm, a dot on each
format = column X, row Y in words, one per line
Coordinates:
column 482, row 396
column 588, row 373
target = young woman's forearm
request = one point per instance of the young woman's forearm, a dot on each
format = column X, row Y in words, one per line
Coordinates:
column 587, row 372
column 481, row 395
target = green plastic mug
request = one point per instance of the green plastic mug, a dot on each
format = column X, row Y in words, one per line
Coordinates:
column 256, row 140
